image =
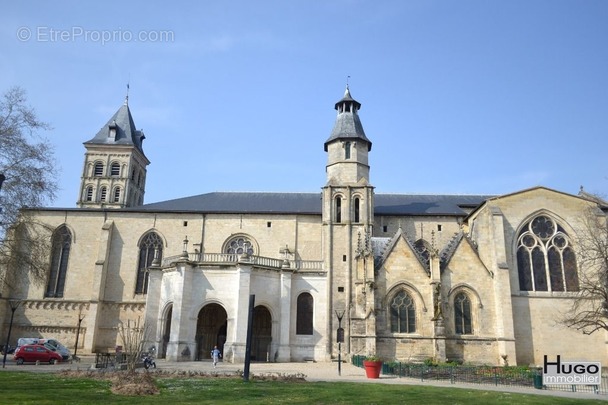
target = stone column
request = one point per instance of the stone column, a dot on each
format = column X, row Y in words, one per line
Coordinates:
column 182, row 341
column 236, row 339
column 153, row 317
column 284, row 352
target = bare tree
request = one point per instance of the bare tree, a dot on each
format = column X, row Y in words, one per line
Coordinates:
column 133, row 336
column 28, row 165
column 589, row 311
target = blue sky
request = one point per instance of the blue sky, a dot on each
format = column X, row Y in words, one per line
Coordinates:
column 473, row 97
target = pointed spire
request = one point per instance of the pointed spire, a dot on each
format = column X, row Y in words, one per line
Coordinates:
column 127, row 97
column 348, row 125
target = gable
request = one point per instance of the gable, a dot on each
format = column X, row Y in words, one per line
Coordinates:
column 464, row 259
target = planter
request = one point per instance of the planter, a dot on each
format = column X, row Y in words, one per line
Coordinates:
column 372, row 368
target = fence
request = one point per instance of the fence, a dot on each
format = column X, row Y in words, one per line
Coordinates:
column 488, row 375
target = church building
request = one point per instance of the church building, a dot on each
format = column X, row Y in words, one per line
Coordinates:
column 467, row 278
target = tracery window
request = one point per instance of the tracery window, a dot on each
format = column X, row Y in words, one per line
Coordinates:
column 148, row 247
column 304, row 324
column 60, row 253
column 462, row 314
column 422, row 247
column 403, row 313
column 239, row 245
column 545, row 257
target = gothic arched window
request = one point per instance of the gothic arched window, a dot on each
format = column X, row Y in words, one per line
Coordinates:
column 545, row 257
column 347, row 150
column 60, row 253
column 239, row 245
column 304, row 314
column 422, row 247
column 149, row 245
column 403, row 313
column 462, row 314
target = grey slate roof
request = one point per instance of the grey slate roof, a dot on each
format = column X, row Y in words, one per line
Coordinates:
column 126, row 133
column 311, row 203
column 430, row 204
column 348, row 125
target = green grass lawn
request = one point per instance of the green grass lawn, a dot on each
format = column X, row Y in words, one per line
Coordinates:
column 50, row 388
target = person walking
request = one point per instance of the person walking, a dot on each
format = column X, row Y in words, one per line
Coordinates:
column 215, row 355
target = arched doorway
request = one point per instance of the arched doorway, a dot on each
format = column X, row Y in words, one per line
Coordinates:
column 166, row 332
column 262, row 334
column 210, row 330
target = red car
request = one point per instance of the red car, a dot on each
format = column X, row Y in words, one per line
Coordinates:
column 34, row 353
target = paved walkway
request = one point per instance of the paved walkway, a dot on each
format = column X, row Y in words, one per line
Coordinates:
column 311, row 371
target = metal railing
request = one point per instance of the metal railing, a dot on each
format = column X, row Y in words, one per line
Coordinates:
column 487, row 375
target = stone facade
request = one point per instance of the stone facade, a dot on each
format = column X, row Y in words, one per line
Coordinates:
column 416, row 277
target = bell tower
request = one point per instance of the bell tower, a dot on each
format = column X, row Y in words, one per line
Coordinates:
column 114, row 172
column 348, row 209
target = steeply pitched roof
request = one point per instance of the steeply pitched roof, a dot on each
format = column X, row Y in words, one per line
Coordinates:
column 348, row 125
column 126, row 133
column 311, row 203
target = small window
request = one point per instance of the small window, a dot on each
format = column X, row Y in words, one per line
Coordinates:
column 384, row 228
column 340, row 289
column 347, row 150
column 439, row 228
column 268, row 224
column 89, row 194
column 98, row 169
column 185, row 223
column 304, row 319
column 115, row 169
column 338, row 209
column 117, row 194
column 103, row 194
column 357, row 209
column 343, row 258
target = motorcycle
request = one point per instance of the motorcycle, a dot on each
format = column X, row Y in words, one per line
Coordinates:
column 148, row 358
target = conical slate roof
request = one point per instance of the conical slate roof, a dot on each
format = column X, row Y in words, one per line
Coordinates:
column 348, row 125
column 125, row 131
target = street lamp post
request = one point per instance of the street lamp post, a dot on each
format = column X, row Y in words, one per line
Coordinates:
column 340, row 339
column 14, row 305
column 80, row 318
